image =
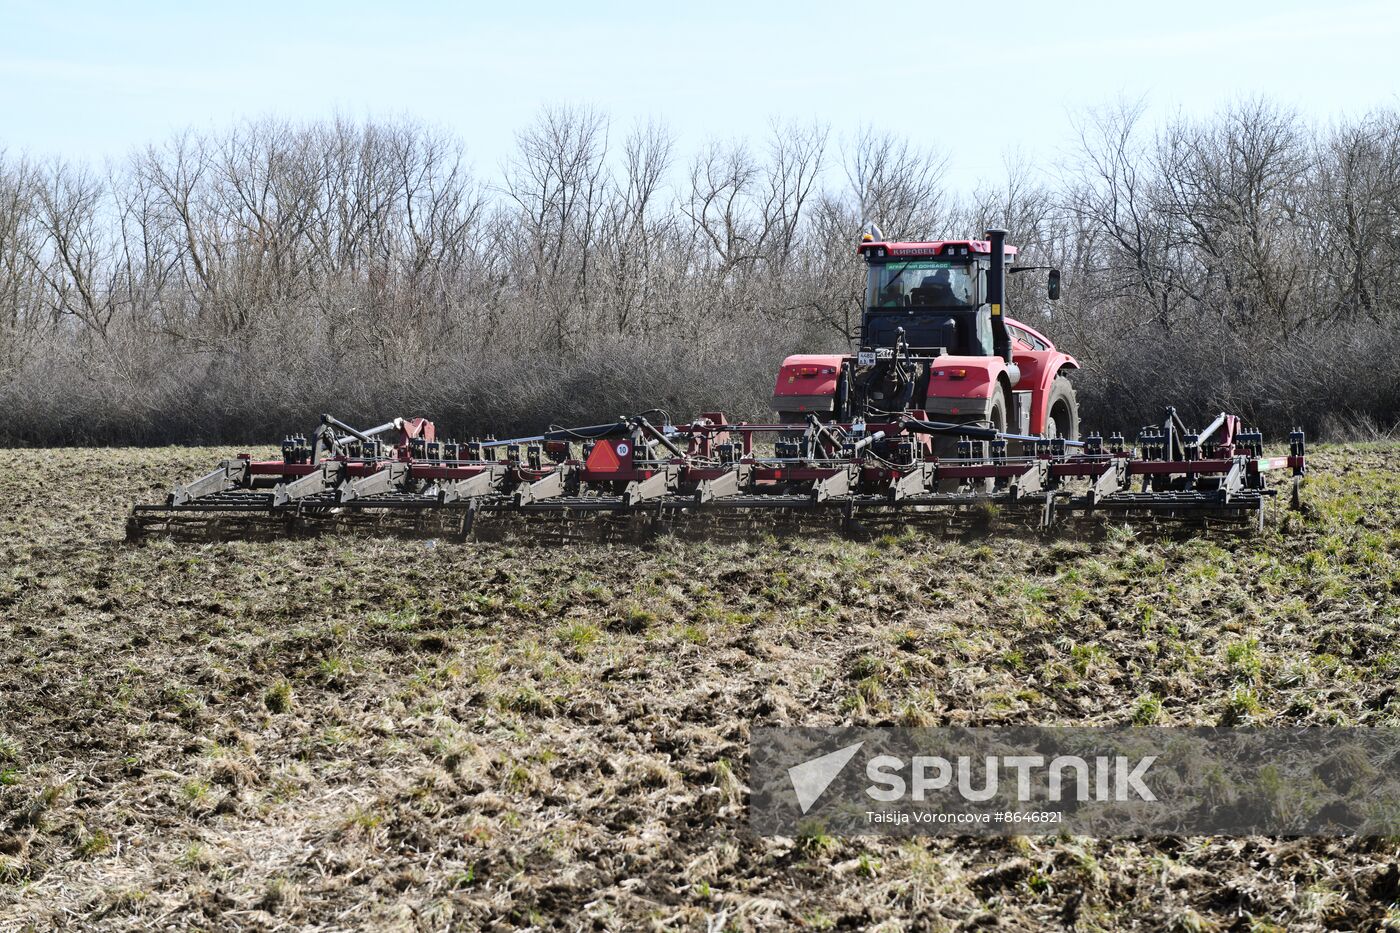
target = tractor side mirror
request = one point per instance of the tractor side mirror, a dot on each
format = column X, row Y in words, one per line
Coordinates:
column 1053, row 286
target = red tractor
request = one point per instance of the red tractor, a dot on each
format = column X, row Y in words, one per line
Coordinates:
column 934, row 338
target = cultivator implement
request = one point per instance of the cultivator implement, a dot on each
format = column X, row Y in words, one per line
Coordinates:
column 864, row 474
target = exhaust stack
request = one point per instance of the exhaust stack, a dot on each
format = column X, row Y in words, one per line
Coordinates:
column 996, row 289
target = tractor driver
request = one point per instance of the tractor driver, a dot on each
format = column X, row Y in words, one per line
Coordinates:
column 937, row 290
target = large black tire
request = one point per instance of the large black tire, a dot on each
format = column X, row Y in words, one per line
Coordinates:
column 1062, row 411
column 998, row 409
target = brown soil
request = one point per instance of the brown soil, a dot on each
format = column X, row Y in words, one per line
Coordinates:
column 352, row 731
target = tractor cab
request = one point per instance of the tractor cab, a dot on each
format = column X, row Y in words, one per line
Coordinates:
column 933, row 296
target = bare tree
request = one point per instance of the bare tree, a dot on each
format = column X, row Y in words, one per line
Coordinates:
column 896, row 185
column 794, row 165
column 75, row 260
column 222, row 285
column 20, row 244
column 637, row 227
column 557, row 181
column 1231, row 195
column 1353, row 216
column 723, row 178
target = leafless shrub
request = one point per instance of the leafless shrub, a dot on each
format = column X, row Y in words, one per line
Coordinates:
column 228, row 286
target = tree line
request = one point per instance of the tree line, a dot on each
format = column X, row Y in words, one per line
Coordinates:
column 229, row 286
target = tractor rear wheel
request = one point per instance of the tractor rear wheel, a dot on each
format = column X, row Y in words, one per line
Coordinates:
column 1062, row 411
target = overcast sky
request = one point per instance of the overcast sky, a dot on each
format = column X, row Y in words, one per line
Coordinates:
column 93, row 80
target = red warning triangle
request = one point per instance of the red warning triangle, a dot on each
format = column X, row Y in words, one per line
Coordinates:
column 603, row 459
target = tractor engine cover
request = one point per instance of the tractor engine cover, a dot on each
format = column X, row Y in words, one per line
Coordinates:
column 807, row 382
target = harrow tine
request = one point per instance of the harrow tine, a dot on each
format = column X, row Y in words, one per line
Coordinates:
column 229, row 475
column 482, row 484
column 323, row 479
column 464, row 532
column 721, row 487
column 548, row 487
column 1113, row 479
column 388, row 479
column 1030, row 482
column 653, row 487
column 834, row 486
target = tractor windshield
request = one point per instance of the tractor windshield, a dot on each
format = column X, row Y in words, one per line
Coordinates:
column 920, row 283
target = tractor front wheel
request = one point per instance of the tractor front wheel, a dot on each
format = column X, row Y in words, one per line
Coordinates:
column 1062, row 411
